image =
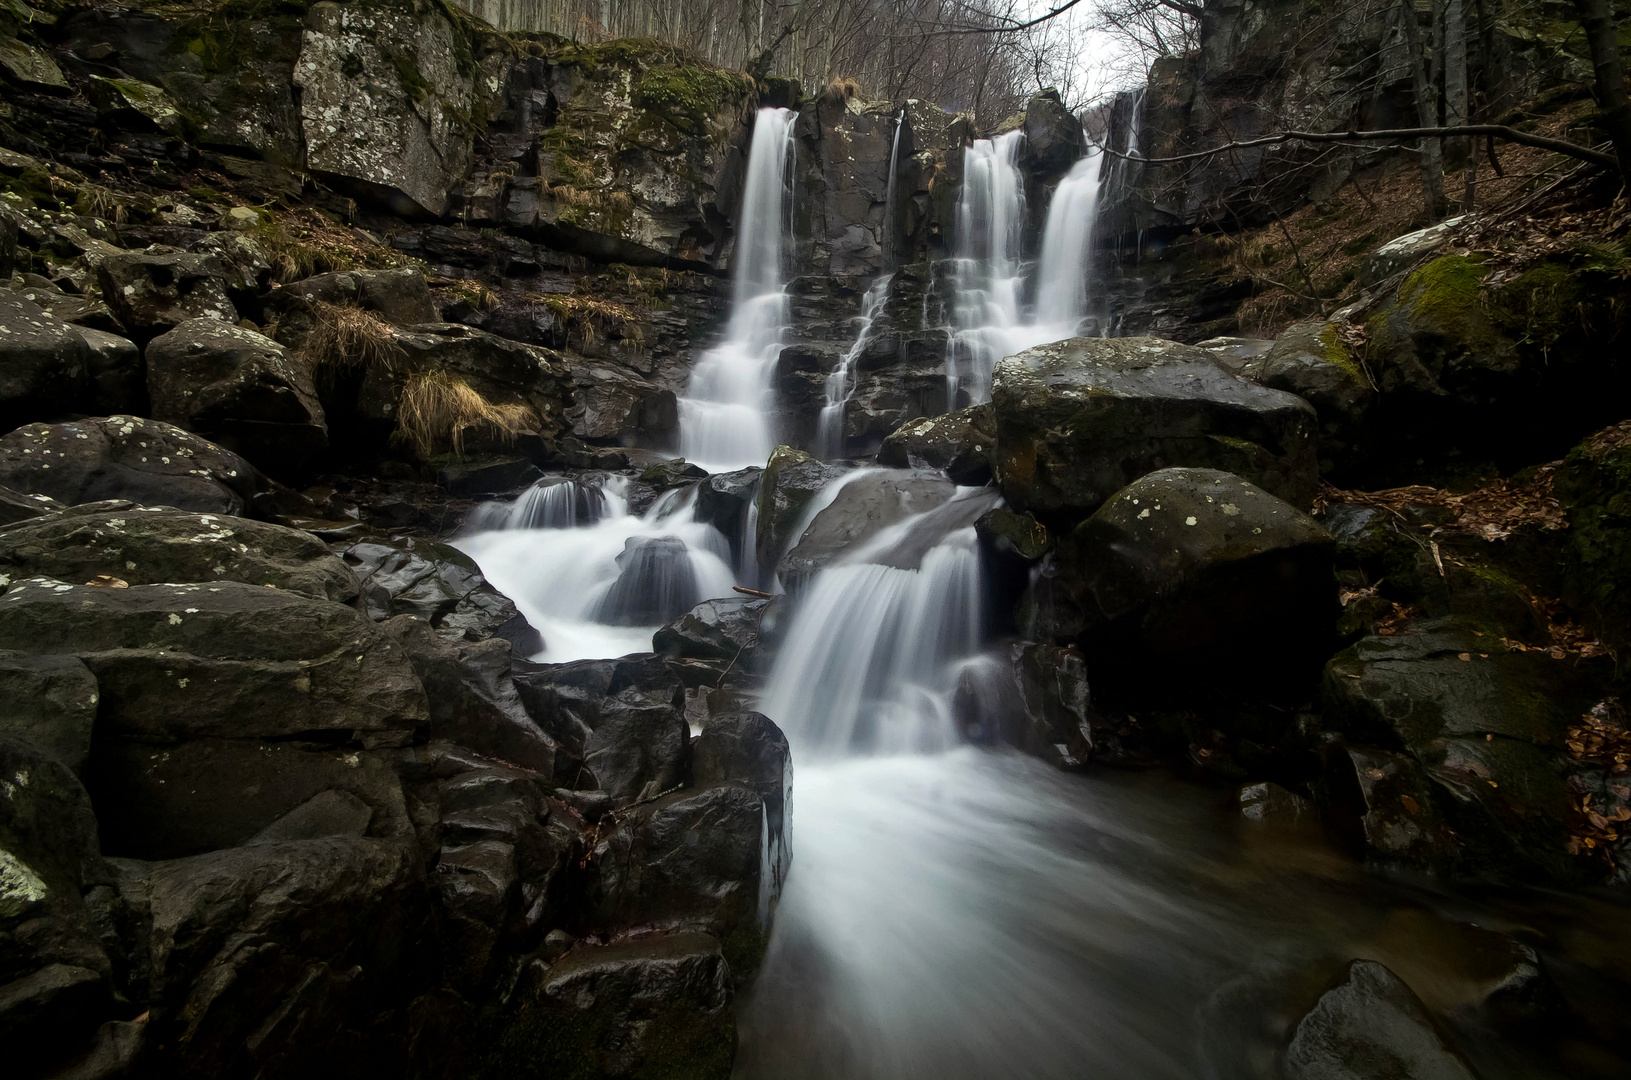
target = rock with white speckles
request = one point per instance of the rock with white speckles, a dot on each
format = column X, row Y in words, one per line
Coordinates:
column 238, row 388
column 1188, row 580
column 232, row 660
column 44, row 364
column 50, row 703
column 148, row 546
column 1079, row 419
column 156, row 290
column 958, row 442
column 127, row 457
column 15, row 506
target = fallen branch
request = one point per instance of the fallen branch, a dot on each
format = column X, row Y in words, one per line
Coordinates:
column 744, row 590
column 1497, row 131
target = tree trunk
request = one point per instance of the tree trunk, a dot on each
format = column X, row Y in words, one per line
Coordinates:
column 1602, row 36
column 1426, row 95
column 1456, row 110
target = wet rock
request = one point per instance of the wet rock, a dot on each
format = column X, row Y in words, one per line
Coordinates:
column 864, row 508
column 118, row 378
column 748, row 748
column 1480, row 730
column 328, row 813
column 1053, row 136
column 144, row 546
column 239, row 389
column 390, row 131
column 166, row 802
column 50, row 705
column 44, row 364
column 618, row 723
column 231, row 659
column 654, row 1005
column 727, row 501
column 440, row 584
column 958, row 443
column 725, row 631
column 1080, row 419
column 474, row 479
column 1237, row 355
column 1033, row 697
column 1271, row 804
column 791, row 479
column 473, row 699
column 1312, row 361
column 400, row 297
column 274, row 953
column 1370, row 1026
column 697, row 858
column 127, row 457
column 53, row 1008
column 1402, row 252
column 655, row 583
column 1200, row 571
column 155, row 291
column 613, row 403
column 1594, row 483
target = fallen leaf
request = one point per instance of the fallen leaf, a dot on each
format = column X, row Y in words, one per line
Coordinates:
column 109, row 581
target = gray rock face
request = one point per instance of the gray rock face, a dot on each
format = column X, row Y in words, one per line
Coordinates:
column 658, row 1005
column 846, row 184
column 127, row 457
column 865, row 507
column 1080, row 419
column 1033, row 697
column 655, row 583
column 748, row 748
column 1199, row 570
column 724, row 501
column 239, row 389
column 440, row 585
column 155, row 291
column 723, row 631
column 15, row 506
column 44, row 364
column 235, row 660
column 958, row 442
column 1370, row 1026
column 1312, row 361
column 50, row 705
column 791, row 479
column 117, row 374
column 391, row 126
column 1053, row 136
column 144, row 546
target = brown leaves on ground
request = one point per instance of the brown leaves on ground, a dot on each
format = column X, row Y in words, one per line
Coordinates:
column 1601, row 736
column 1596, row 819
column 1493, row 511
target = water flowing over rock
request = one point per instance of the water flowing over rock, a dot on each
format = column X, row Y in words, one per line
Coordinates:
column 725, row 416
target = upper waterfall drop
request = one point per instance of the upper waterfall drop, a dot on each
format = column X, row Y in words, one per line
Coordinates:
column 726, row 413
column 1067, row 247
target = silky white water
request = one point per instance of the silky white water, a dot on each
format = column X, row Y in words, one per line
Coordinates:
column 990, row 319
column 841, row 382
column 726, row 414
column 603, row 587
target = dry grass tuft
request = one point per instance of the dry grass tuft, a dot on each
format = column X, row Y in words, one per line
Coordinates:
column 346, row 336
column 437, row 409
column 844, row 89
column 591, row 318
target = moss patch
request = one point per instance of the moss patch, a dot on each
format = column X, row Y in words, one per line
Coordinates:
column 689, row 96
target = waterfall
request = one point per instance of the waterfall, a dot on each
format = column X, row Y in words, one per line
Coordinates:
column 1067, row 247
column 989, row 321
column 597, row 587
column 726, row 414
column 890, row 224
column 841, row 383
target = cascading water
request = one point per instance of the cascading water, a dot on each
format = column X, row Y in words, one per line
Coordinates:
column 989, row 319
column 599, row 586
column 841, row 383
column 726, row 413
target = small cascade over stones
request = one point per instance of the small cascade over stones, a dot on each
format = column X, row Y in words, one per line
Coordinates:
column 598, row 586
column 991, row 319
column 726, row 415
column 841, row 383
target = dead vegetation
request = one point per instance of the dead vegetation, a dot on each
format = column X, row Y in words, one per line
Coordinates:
column 345, row 336
column 1493, row 511
column 438, row 410
column 593, row 318
column 307, row 241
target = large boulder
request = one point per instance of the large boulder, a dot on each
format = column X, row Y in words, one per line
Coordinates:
column 157, row 290
column 44, row 364
column 117, row 374
column 619, row 724
column 239, row 389
column 866, row 505
column 16, row 506
column 50, row 704
column 653, row 1006
column 1477, row 731
column 1054, row 139
column 155, row 545
column 180, row 661
column 1202, row 577
column 748, row 748
column 391, row 99
column 1078, row 420
column 439, row 584
column 725, row 631
column 655, row 583
column 1370, row 1026
column 729, row 502
column 790, row 480
column 1594, row 482
column 959, row 442
column 127, row 457
column 1313, row 361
